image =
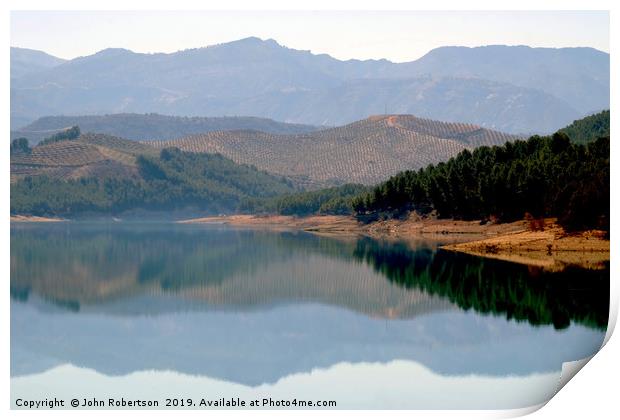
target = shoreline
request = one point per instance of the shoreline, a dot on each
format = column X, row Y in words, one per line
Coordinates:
column 549, row 247
column 35, row 219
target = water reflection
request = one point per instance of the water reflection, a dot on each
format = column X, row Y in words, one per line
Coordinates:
column 74, row 266
column 254, row 307
column 493, row 286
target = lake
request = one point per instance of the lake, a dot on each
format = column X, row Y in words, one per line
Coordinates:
column 150, row 311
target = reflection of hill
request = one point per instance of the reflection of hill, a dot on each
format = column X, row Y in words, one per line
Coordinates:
column 498, row 287
column 317, row 278
column 84, row 266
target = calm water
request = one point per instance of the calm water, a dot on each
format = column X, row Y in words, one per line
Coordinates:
column 155, row 311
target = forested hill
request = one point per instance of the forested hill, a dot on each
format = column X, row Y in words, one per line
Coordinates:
column 543, row 176
column 589, row 128
column 96, row 174
column 152, row 126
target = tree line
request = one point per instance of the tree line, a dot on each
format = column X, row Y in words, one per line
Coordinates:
column 543, row 176
column 591, row 127
column 336, row 200
column 174, row 180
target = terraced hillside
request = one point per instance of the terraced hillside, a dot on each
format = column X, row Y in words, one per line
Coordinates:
column 366, row 152
column 91, row 155
column 98, row 174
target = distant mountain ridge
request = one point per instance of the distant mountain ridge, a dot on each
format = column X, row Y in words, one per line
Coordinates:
column 515, row 89
column 25, row 61
column 578, row 76
column 152, row 126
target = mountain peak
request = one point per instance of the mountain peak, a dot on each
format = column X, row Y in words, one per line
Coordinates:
column 108, row 52
column 252, row 41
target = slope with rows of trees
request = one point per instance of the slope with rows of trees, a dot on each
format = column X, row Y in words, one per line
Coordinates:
column 102, row 174
column 365, row 152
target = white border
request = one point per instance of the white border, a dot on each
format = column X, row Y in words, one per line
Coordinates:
column 593, row 392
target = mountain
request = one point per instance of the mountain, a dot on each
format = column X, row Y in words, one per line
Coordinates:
column 366, row 151
column 152, row 126
column 520, row 90
column 589, row 128
column 578, row 76
column 25, row 61
column 490, row 104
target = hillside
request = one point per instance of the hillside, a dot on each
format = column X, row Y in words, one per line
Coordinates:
column 364, row 152
column 152, row 126
column 89, row 156
column 514, row 89
column 589, row 128
column 552, row 176
column 103, row 174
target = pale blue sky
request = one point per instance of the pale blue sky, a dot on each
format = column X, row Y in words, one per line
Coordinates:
column 397, row 36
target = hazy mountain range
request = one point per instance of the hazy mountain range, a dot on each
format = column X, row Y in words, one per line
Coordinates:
column 515, row 89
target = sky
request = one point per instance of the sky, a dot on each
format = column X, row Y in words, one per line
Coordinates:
column 396, row 36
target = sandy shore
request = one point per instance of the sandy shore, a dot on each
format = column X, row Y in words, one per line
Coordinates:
column 34, row 219
column 550, row 248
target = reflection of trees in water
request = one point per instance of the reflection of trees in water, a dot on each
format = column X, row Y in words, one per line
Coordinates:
column 492, row 286
column 74, row 265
